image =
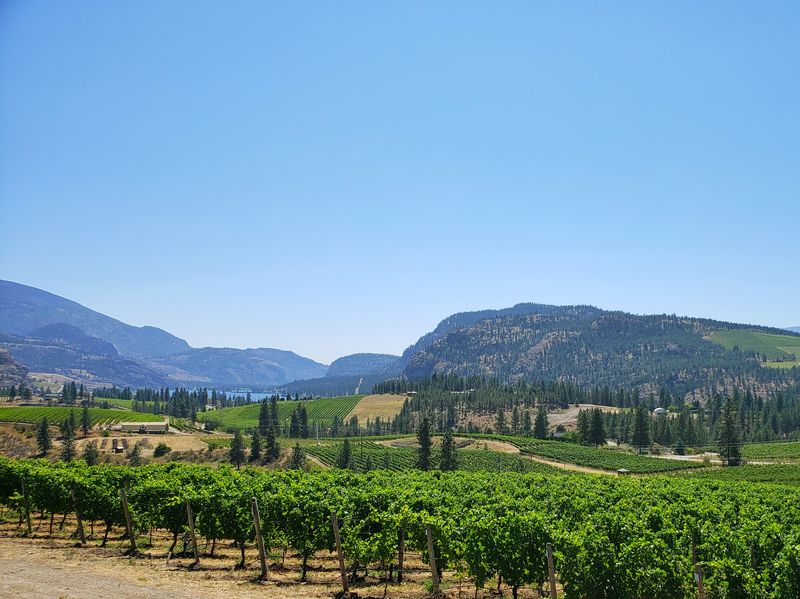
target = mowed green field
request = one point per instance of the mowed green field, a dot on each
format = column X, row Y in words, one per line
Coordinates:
column 772, row 346
column 319, row 410
column 57, row 415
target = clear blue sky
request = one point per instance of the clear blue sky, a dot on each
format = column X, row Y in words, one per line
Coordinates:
column 333, row 177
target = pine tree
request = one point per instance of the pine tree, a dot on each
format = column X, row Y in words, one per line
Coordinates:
column 368, row 463
column 303, row 423
column 584, row 424
column 597, row 431
column 500, row 420
column 43, row 437
column 729, row 435
column 273, row 412
column 135, row 457
column 272, row 449
column 345, row 454
column 298, row 458
column 526, row 423
column 294, row 427
column 515, row 420
column 264, row 418
column 68, row 438
column 449, row 460
column 640, row 438
column 236, row 454
column 86, row 421
column 90, row 454
column 425, row 442
column 541, row 425
column 255, row 446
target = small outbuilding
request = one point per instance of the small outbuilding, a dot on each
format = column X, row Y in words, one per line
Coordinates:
column 148, row 428
column 660, row 412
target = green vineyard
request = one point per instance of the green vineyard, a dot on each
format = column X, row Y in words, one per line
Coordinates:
column 604, row 459
column 367, row 455
column 246, row 417
column 614, row 538
column 56, row 415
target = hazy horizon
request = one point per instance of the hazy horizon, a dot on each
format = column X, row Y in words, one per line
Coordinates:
column 337, row 179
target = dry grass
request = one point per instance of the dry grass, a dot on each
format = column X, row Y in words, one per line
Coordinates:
column 374, row 406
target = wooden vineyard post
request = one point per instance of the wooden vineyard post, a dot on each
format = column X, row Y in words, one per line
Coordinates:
column 262, row 553
column 335, row 523
column 128, row 521
column 551, row 571
column 26, row 502
column 401, row 547
column 698, row 574
column 432, row 559
column 190, row 520
column 81, row 533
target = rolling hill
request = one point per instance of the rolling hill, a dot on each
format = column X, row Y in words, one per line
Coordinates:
column 25, row 310
column 594, row 347
column 362, row 364
column 50, row 334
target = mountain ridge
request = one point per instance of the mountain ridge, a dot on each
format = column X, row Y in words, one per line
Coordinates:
column 48, row 333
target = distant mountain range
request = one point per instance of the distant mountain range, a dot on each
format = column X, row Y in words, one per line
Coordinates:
column 48, row 333
column 584, row 345
column 793, row 329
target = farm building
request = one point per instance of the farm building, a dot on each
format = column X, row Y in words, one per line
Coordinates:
column 142, row 427
column 660, row 412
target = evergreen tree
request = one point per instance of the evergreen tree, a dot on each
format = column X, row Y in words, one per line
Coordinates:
column 515, row 420
column 303, row 422
column 272, row 449
column 640, row 438
column 345, row 454
column 236, row 454
column 541, row 425
column 264, row 418
column 68, row 438
column 90, row 454
column 449, row 460
column 255, row 445
column 729, row 435
column 135, row 456
column 43, row 437
column 425, row 442
column 597, row 431
column 294, row 427
column 273, row 411
column 500, row 420
column 86, row 421
column 584, row 426
column 526, row 423
column 368, row 463
column 298, row 458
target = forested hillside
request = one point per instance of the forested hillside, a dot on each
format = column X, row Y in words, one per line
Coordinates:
column 591, row 347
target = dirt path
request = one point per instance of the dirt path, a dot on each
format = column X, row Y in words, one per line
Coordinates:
column 566, row 466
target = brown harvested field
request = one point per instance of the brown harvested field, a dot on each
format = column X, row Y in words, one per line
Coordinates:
column 373, row 406
column 176, row 442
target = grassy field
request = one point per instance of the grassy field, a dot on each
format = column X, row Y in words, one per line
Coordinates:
column 59, row 414
column 773, row 346
column 383, row 406
column 319, row 410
